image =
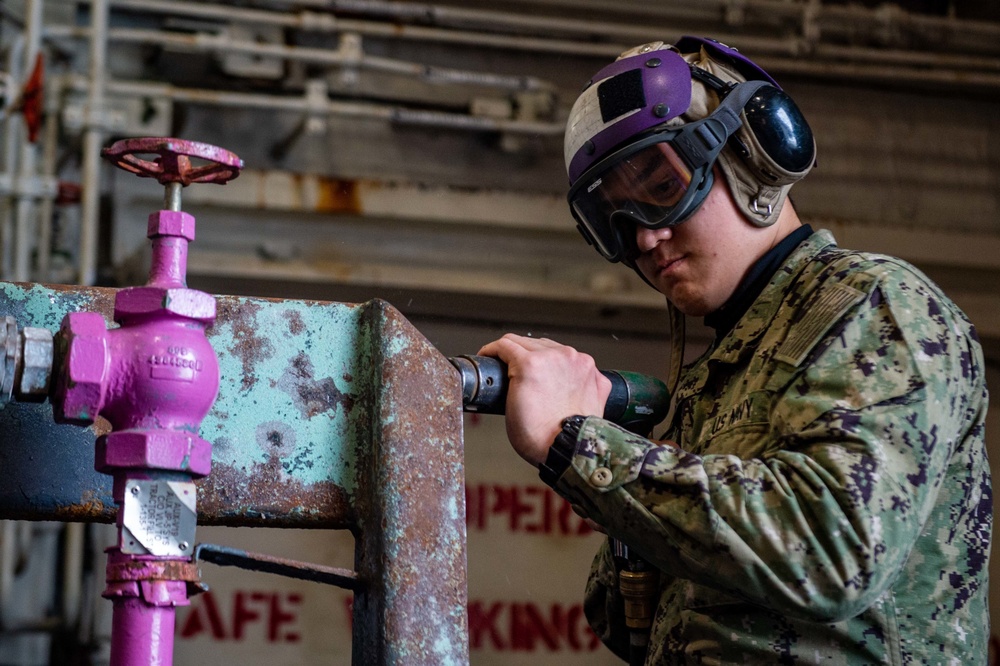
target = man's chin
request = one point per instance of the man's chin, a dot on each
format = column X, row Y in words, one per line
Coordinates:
column 689, row 304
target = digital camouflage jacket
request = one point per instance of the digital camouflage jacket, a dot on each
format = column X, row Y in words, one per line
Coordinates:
column 828, row 497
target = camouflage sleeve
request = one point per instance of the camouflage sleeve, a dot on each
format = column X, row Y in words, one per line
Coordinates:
column 853, row 453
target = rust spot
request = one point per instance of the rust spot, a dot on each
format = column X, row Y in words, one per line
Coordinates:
column 338, row 196
column 152, row 570
column 265, row 496
column 89, row 510
column 101, row 426
column 312, row 396
column 247, row 345
column 276, row 438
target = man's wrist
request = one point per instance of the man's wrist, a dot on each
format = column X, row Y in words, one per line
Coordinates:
column 562, row 450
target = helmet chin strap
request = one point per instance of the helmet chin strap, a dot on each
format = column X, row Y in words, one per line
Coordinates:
column 678, row 339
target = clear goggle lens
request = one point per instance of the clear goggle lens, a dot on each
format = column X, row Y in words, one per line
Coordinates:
column 651, row 187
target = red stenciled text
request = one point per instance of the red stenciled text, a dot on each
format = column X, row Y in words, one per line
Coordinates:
column 272, row 614
column 521, row 508
column 510, row 626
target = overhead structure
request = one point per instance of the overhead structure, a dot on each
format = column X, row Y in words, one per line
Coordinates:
column 439, row 124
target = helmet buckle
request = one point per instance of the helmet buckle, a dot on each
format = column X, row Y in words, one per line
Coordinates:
column 758, row 211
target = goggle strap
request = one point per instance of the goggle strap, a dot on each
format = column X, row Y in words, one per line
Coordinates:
column 732, row 104
column 714, row 131
column 740, row 94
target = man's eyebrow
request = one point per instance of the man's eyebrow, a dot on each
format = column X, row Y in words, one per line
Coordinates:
column 651, row 166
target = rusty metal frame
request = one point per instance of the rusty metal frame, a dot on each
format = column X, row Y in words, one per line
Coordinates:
column 329, row 415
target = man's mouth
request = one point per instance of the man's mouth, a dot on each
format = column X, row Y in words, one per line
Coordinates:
column 665, row 266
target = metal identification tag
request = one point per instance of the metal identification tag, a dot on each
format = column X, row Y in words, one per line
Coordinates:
column 160, row 518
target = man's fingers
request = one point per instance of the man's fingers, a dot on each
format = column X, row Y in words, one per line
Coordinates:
column 511, row 344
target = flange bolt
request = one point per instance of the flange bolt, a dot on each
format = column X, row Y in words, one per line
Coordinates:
column 25, row 362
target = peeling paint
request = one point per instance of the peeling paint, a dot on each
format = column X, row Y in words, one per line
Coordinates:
column 264, row 495
column 245, row 343
column 312, row 396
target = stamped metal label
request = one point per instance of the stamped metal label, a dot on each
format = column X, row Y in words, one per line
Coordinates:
column 160, row 518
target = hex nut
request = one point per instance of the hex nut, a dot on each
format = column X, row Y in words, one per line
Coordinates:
column 36, row 364
column 190, row 303
column 80, row 382
column 154, row 449
column 170, row 223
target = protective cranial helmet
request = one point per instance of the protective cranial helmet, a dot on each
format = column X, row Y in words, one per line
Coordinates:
column 644, row 136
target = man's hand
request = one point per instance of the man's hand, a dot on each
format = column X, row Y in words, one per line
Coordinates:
column 548, row 382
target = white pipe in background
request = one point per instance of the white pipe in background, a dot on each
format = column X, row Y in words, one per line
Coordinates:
column 50, row 141
column 72, row 592
column 8, row 560
column 332, row 108
column 10, row 154
column 26, row 208
column 93, row 137
column 342, row 56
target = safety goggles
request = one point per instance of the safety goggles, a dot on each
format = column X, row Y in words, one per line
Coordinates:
column 648, row 184
column 657, row 181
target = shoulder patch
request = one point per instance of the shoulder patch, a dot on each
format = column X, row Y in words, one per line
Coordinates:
column 830, row 304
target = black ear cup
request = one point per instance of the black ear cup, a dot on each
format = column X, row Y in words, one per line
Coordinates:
column 780, row 129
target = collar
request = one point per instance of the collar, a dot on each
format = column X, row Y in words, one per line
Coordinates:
column 724, row 319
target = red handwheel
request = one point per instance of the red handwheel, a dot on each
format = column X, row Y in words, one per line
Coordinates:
column 174, row 161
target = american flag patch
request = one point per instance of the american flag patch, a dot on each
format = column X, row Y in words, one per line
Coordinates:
column 829, row 306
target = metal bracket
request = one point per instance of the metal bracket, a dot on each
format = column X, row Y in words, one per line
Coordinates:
column 232, row 557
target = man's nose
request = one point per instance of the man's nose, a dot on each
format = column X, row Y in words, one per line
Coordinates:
column 647, row 239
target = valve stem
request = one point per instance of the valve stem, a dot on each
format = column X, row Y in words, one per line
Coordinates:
column 172, row 196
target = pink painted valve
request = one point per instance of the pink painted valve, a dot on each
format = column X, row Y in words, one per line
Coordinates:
column 154, row 379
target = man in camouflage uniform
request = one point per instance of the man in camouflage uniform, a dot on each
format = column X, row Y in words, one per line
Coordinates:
column 822, row 494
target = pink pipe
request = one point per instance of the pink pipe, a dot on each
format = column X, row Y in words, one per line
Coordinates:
column 145, row 591
column 142, row 633
column 169, row 262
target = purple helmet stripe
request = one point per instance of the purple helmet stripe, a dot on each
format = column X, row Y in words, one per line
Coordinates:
column 750, row 70
column 666, row 81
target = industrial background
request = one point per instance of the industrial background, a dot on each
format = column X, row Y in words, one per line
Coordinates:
column 412, row 152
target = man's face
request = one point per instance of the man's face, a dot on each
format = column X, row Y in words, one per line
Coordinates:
column 699, row 263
